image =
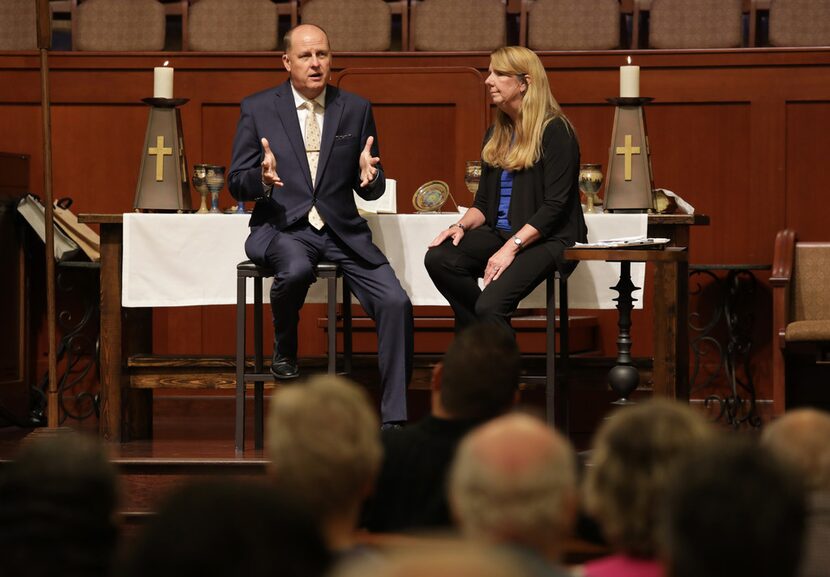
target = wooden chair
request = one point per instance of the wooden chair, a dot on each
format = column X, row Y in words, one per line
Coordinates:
column 570, row 24
column 357, row 25
column 230, row 25
column 257, row 374
column 800, row 307
column 114, row 25
column 445, row 25
column 18, row 25
column 697, row 24
column 799, row 23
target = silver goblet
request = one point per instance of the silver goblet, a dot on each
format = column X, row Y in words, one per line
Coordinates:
column 199, row 183
column 215, row 180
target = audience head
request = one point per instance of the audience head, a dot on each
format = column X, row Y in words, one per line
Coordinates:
column 802, row 438
column 633, row 454
column 437, row 558
column 228, row 528
column 514, row 481
column 323, row 440
column 479, row 375
column 58, row 508
column 733, row 508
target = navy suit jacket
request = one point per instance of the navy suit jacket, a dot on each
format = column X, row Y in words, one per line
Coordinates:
column 348, row 123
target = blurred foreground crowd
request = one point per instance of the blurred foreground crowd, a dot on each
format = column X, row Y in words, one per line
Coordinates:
column 477, row 488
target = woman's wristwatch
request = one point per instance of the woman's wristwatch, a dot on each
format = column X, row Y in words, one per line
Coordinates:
column 459, row 225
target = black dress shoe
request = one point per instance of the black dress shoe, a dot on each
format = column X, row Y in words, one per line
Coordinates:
column 392, row 426
column 284, row 367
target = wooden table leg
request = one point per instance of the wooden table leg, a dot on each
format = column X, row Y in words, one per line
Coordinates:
column 671, row 337
column 125, row 413
column 110, row 357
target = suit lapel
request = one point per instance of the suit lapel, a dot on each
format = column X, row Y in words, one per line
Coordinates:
column 287, row 113
column 334, row 110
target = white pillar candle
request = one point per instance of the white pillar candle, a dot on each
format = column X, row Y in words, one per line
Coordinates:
column 629, row 80
column 163, row 82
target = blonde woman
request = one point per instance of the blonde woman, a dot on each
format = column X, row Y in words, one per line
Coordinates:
column 527, row 209
column 635, row 453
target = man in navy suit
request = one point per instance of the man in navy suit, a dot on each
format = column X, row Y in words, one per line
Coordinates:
column 300, row 150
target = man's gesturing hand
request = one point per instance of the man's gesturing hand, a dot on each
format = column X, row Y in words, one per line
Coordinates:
column 367, row 163
column 269, row 166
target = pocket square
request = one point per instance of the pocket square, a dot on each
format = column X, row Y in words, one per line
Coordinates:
column 342, row 136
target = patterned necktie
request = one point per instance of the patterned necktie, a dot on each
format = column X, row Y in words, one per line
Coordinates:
column 312, row 152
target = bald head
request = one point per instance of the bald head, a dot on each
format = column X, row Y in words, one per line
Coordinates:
column 513, row 480
column 515, row 444
column 802, row 438
column 303, row 33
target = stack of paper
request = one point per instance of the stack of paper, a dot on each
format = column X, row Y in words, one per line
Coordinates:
column 626, row 242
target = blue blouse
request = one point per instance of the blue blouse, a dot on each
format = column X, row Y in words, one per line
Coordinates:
column 503, row 223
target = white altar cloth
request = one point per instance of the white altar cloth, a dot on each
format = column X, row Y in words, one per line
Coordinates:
column 172, row 260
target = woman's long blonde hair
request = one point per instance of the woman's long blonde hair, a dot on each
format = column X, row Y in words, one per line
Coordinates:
column 519, row 146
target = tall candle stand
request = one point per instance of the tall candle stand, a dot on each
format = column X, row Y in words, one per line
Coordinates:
column 162, row 179
column 629, row 181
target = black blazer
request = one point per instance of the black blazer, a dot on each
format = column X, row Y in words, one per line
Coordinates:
column 348, row 124
column 546, row 195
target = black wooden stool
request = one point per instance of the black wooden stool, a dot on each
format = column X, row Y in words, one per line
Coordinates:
column 258, row 375
column 548, row 380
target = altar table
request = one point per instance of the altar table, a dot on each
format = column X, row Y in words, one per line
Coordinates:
column 190, row 259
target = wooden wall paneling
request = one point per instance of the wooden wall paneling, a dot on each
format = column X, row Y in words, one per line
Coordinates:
column 21, row 80
column 584, row 86
column 430, row 121
column 764, row 199
column 807, row 170
column 21, row 132
column 218, row 125
column 593, row 124
column 98, row 147
column 702, row 152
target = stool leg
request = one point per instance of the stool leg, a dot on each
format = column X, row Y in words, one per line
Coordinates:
column 259, row 386
column 239, row 429
column 332, row 323
column 564, row 353
column 550, row 354
column 347, row 327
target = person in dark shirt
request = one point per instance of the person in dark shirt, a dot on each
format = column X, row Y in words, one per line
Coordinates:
column 58, row 502
column 733, row 508
column 478, row 379
column 227, row 527
column 526, row 211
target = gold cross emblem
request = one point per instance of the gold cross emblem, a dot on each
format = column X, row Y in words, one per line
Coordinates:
column 159, row 151
column 628, row 151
